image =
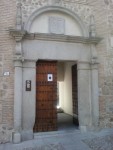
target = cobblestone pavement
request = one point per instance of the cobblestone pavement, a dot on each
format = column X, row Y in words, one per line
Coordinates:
column 66, row 140
column 103, row 143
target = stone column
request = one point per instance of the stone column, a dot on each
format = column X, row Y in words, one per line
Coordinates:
column 17, row 101
column 84, row 96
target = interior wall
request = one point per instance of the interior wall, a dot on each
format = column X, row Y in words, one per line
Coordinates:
column 67, row 89
column 61, row 95
column 60, row 79
column 65, row 86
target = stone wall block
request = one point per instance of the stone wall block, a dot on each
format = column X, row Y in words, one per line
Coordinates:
column 5, row 134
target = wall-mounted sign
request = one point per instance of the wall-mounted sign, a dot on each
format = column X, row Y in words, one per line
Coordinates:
column 50, row 77
column 28, row 85
column 6, row 73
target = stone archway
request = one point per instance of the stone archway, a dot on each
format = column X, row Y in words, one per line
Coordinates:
column 58, row 9
column 47, row 46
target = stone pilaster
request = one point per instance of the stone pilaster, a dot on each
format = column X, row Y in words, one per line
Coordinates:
column 17, row 101
column 92, row 29
column 94, row 87
column 29, row 100
column 18, row 34
column 95, row 95
column 19, row 17
column 84, row 96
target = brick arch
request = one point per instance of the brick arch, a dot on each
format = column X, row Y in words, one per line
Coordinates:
column 58, row 9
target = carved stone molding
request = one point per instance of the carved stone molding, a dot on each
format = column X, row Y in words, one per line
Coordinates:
column 92, row 31
column 17, row 34
column 19, row 17
column 84, row 11
column 63, row 38
column 94, row 61
column 18, row 58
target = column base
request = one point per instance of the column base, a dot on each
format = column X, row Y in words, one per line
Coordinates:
column 16, row 137
column 83, row 129
column 27, row 135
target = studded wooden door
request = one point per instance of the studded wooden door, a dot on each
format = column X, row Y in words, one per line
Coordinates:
column 75, row 94
column 46, row 96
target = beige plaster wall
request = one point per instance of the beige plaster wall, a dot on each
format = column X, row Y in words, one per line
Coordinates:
column 60, row 79
column 61, row 94
column 68, row 89
column 65, row 88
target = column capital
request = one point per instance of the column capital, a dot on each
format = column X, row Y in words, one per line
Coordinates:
column 94, row 62
column 17, row 34
column 83, row 65
column 18, row 60
column 29, row 64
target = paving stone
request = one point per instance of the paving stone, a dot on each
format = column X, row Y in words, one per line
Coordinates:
column 100, row 143
column 102, row 140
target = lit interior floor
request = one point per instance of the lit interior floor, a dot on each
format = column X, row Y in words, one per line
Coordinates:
column 65, row 122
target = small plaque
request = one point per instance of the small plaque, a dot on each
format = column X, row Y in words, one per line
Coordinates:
column 28, row 85
column 50, row 77
column 6, row 73
column 56, row 25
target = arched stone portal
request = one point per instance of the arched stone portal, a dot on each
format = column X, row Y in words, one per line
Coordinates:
column 55, row 43
column 59, row 9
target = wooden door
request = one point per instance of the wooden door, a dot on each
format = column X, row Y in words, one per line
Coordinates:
column 75, row 94
column 46, row 96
